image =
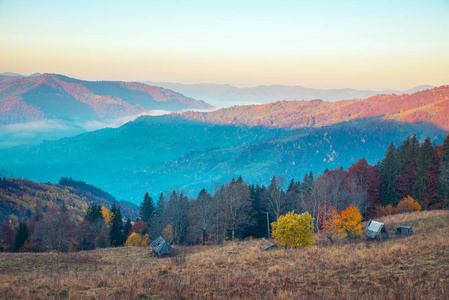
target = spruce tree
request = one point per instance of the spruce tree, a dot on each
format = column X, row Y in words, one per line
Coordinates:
column 293, row 186
column 128, row 227
column 443, row 168
column 424, row 162
column 147, row 208
column 161, row 205
column 21, row 236
column 388, row 171
column 116, row 236
column 93, row 213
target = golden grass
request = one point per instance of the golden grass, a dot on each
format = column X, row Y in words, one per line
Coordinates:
column 416, row 267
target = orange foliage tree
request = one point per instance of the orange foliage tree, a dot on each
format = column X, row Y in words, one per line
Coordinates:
column 408, row 204
column 327, row 217
column 349, row 222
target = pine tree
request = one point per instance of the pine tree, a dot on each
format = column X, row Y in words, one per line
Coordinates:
column 147, row 209
column 293, row 186
column 21, row 236
column 424, row 162
column 388, row 172
column 127, row 229
column 161, row 205
column 307, row 182
column 430, row 193
column 116, row 236
column 443, row 169
column 93, row 213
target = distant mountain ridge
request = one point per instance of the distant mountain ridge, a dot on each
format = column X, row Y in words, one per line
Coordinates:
column 11, row 74
column 428, row 106
column 224, row 95
column 53, row 96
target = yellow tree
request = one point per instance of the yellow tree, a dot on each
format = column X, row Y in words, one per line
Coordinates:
column 107, row 216
column 167, row 233
column 135, row 239
column 349, row 222
column 294, row 230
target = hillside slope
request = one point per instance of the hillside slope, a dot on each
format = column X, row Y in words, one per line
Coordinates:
column 428, row 106
column 413, row 267
column 52, row 96
column 156, row 154
column 20, row 197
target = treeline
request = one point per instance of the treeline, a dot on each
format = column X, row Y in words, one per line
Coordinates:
column 58, row 229
column 410, row 177
column 78, row 184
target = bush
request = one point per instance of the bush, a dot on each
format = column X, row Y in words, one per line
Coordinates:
column 294, row 230
column 408, row 204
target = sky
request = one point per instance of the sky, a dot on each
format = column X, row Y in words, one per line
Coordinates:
column 319, row 44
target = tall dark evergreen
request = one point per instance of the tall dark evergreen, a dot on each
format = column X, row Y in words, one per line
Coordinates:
column 128, row 227
column 161, row 205
column 147, row 208
column 116, row 235
column 307, row 182
column 443, row 169
column 424, row 162
column 258, row 228
column 21, row 236
column 293, row 186
column 93, row 213
column 404, row 156
column 389, row 193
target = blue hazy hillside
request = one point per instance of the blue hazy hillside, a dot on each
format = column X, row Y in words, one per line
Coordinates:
column 156, row 154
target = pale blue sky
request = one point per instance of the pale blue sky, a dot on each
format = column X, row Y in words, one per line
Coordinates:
column 324, row 44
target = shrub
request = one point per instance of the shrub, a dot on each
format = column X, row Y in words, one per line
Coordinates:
column 408, row 204
column 294, row 230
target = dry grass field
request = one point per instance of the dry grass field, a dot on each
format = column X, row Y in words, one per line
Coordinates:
column 415, row 267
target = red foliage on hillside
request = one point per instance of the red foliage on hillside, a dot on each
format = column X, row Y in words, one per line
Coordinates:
column 59, row 97
column 428, row 106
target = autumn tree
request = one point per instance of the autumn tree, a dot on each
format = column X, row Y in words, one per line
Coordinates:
column 274, row 197
column 201, row 217
column 56, row 231
column 6, row 237
column 107, row 216
column 176, row 215
column 236, row 203
column 137, row 240
column 408, row 204
column 349, row 222
column 328, row 217
column 295, row 230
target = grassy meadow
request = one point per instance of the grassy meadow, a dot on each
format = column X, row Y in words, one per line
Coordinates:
column 415, row 267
